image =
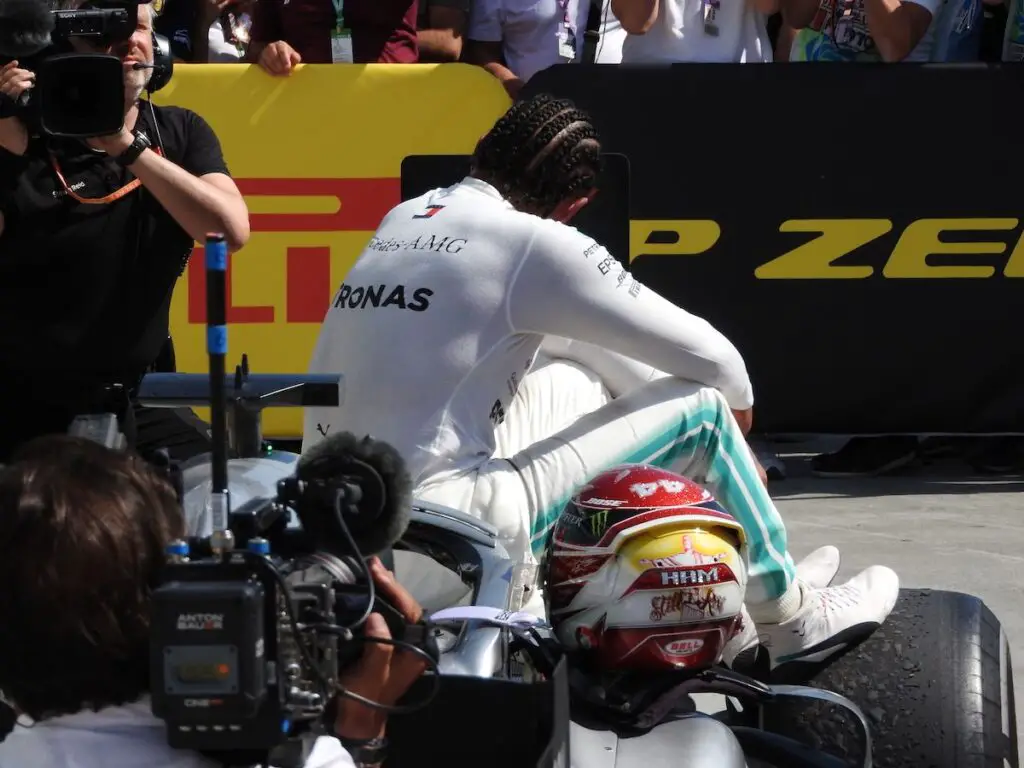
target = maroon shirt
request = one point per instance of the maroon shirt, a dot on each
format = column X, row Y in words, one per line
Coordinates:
column 383, row 31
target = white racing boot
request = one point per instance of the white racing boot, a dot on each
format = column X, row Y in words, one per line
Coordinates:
column 817, row 570
column 828, row 620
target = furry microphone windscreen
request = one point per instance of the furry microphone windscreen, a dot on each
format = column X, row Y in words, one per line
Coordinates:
column 25, row 27
column 333, row 457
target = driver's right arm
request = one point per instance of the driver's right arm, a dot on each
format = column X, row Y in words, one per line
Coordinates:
column 568, row 285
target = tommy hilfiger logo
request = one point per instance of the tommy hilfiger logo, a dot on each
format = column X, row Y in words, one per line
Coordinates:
column 432, row 210
column 59, row 193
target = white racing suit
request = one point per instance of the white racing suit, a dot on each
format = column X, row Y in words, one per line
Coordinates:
column 440, row 320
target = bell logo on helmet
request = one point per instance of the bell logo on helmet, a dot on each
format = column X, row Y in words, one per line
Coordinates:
column 685, row 647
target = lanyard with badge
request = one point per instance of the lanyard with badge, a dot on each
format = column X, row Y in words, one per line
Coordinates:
column 711, row 9
column 566, row 34
column 341, row 37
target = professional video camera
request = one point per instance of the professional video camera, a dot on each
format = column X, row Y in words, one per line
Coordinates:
column 76, row 95
column 248, row 642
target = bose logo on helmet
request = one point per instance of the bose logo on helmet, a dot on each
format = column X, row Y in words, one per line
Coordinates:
column 604, row 502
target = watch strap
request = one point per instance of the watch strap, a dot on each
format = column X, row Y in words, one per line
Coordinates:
column 8, row 107
column 139, row 145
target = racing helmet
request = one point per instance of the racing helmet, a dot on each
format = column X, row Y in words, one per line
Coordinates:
column 644, row 570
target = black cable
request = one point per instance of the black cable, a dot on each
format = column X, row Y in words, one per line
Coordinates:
column 339, row 518
column 262, row 562
column 402, row 645
column 156, row 127
column 346, row 631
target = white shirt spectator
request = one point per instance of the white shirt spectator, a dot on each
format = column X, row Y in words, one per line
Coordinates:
column 609, row 46
column 681, row 33
column 121, row 737
column 221, row 50
column 534, row 33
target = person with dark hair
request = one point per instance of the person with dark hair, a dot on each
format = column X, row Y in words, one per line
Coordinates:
column 442, row 316
column 83, row 531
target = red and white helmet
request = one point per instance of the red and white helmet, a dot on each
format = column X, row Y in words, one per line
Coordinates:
column 645, row 570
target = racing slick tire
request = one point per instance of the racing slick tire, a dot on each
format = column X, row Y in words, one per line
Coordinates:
column 935, row 682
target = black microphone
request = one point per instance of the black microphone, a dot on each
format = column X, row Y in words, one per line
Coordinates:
column 377, row 515
column 25, row 27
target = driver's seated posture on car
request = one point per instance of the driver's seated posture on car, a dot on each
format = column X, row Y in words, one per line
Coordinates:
column 83, row 531
column 443, row 314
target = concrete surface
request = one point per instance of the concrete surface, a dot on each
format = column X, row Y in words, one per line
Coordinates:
column 922, row 523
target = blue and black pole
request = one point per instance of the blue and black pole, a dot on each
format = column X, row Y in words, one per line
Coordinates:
column 217, row 348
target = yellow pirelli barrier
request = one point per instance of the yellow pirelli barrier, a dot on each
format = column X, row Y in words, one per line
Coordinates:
column 318, row 157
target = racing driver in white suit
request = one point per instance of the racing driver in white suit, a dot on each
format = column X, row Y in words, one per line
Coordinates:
column 444, row 313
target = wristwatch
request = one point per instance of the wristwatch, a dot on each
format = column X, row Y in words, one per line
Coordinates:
column 366, row 753
column 139, row 145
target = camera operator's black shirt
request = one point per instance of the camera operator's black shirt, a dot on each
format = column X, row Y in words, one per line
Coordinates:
column 86, row 289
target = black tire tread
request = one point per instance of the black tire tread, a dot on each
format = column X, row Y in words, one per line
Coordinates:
column 927, row 707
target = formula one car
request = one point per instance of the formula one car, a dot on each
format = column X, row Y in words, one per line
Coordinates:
column 932, row 688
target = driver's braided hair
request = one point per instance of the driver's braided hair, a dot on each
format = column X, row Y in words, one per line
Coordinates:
column 540, row 152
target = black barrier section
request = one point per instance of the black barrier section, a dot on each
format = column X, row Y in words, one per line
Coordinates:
column 480, row 723
column 855, row 230
column 606, row 218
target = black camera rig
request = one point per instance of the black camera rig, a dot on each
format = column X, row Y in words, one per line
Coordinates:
column 253, row 624
column 81, row 95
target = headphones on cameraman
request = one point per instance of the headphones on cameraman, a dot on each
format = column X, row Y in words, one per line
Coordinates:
column 163, row 64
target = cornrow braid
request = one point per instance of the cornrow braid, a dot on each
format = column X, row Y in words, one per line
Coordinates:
column 540, row 152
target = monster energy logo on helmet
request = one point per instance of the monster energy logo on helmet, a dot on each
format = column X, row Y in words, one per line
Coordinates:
column 598, row 521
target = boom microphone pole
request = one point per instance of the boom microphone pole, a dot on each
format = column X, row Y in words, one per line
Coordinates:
column 222, row 539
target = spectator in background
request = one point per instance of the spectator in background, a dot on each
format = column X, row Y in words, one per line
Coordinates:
column 440, row 27
column 515, row 40
column 784, row 42
column 289, row 32
column 669, row 31
column 611, row 36
column 204, row 31
column 863, row 30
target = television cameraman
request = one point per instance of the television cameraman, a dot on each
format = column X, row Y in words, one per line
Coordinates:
column 93, row 237
column 82, row 537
